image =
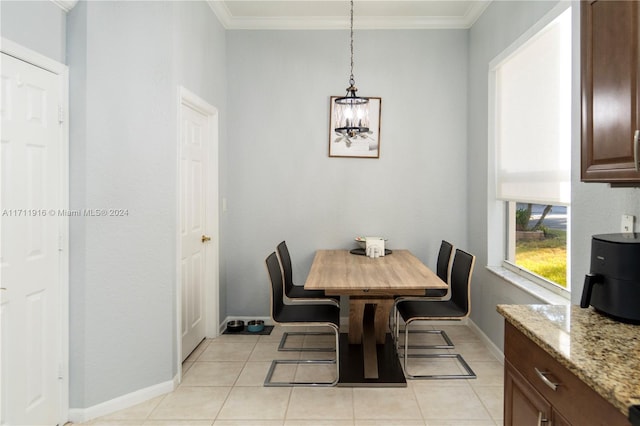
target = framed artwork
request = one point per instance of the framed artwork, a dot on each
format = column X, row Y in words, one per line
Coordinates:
column 366, row 145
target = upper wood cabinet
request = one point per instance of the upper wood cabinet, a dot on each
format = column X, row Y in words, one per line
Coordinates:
column 610, row 62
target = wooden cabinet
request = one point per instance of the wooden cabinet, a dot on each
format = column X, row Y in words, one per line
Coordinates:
column 610, row 62
column 540, row 391
column 524, row 405
column 558, row 420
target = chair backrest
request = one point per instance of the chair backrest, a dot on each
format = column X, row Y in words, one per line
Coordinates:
column 287, row 270
column 444, row 261
column 275, row 276
column 461, row 272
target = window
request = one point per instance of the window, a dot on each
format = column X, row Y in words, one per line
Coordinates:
column 537, row 240
column 530, row 135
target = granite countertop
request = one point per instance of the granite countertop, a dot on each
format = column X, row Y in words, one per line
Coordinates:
column 603, row 353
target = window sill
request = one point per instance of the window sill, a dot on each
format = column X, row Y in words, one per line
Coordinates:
column 528, row 286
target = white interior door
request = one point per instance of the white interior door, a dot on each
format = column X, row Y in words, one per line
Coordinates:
column 197, row 234
column 29, row 250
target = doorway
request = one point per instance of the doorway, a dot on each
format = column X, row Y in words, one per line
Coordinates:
column 34, row 255
column 198, row 236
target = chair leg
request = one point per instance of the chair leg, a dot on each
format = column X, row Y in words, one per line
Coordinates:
column 268, row 382
column 396, row 336
column 396, row 329
column 282, row 347
column 448, row 343
column 394, row 326
column 469, row 372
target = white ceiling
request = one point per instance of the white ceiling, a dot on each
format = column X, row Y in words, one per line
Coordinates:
column 334, row 14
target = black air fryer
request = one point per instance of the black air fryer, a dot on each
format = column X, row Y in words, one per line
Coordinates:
column 613, row 286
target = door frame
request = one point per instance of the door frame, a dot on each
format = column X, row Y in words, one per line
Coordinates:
column 62, row 71
column 211, row 312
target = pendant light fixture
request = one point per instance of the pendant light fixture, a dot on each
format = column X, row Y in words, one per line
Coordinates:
column 351, row 112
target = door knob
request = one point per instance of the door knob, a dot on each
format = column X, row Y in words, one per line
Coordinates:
column 206, row 238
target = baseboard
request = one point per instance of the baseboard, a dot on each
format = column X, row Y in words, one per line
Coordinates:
column 79, row 415
column 488, row 343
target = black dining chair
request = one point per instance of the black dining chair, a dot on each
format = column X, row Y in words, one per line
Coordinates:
column 457, row 307
column 298, row 294
column 301, row 315
column 443, row 266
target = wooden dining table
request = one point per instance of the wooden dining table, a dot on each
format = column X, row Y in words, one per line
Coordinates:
column 367, row 354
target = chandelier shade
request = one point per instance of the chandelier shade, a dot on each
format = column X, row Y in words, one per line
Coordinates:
column 351, row 114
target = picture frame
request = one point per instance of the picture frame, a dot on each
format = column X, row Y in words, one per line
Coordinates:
column 361, row 146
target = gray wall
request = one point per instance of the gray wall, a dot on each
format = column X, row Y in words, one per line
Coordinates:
column 596, row 208
column 122, row 268
column 283, row 186
column 38, row 25
column 127, row 60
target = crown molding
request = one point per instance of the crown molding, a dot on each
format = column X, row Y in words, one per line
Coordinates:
column 230, row 22
column 476, row 9
column 65, row 5
column 222, row 12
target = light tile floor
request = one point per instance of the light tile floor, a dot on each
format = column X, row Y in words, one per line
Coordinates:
column 222, row 385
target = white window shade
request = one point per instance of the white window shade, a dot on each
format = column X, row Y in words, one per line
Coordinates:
column 533, row 118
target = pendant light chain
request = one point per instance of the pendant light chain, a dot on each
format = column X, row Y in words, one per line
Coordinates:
column 351, row 79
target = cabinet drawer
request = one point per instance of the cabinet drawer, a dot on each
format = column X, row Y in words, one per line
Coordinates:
column 523, row 406
column 572, row 398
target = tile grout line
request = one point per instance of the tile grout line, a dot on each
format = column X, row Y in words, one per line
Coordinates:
column 231, row 388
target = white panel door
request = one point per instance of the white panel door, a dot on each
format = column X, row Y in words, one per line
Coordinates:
column 194, row 145
column 29, row 251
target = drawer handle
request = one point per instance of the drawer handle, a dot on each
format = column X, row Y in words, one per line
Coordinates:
column 545, row 379
column 636, row 136
column 541, row 419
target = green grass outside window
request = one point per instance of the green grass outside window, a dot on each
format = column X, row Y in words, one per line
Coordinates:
column 546, row 257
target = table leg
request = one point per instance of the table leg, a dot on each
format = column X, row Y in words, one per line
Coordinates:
column 368, row 323
column 380, row 314
column 356, row 315
column 381, row 325
column 369, row 347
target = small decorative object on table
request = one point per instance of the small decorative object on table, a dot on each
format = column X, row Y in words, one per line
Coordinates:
column 374, row 247
column 362, row 246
